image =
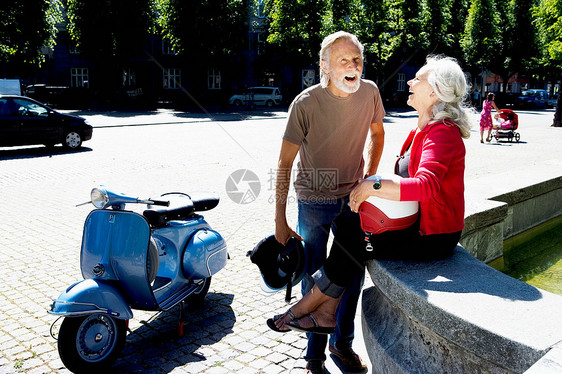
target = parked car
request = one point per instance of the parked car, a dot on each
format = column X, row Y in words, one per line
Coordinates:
column 48, row 95
column 268, row 96
column 532, row 99
column 552, row 101
column 24, row 121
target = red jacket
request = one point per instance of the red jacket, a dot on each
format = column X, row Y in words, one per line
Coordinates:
column 436, row 165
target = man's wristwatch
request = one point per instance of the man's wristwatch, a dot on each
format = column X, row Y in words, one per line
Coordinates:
column 377, row 184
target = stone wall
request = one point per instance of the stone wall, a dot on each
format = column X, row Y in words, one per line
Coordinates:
column 459, row 315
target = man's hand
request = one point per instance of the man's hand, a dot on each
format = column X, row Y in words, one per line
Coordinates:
column 283, row 233
column 286, row 158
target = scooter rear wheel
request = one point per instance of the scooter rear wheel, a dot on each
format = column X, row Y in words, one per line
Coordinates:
column 88, row 344
column 197, row 297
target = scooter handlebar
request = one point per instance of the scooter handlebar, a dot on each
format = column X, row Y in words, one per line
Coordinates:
column 159, row 202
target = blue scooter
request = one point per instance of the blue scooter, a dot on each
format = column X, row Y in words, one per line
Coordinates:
column 153, row 261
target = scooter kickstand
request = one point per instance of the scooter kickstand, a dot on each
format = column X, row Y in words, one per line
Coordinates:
column 180, row 324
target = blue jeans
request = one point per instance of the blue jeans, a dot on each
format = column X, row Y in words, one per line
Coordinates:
column 315, row 220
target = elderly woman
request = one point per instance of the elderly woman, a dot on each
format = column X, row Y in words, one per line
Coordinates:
column 431, row 165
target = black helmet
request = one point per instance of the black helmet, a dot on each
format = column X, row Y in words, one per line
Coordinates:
column 281, row 266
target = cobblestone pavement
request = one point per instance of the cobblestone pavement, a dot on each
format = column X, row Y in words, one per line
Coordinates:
column 146, row 154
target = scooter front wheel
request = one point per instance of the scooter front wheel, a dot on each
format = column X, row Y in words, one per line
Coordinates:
column 88, row 344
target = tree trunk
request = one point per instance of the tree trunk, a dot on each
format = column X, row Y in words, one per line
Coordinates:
column 558, row 113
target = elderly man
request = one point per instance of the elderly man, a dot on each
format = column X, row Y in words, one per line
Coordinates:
column 327, row 127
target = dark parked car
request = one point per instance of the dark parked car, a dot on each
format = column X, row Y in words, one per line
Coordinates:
column 24, row 121
column 533, row 99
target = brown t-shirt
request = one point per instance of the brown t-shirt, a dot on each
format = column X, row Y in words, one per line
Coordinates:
column 331, row 132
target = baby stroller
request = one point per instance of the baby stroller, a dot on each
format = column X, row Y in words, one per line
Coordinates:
column 506, row 126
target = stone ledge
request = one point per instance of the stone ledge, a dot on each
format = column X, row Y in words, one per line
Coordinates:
column 456, row 314
column 551, row 363
column 501, row 205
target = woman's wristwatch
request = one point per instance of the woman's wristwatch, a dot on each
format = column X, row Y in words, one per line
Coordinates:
column 377, row 182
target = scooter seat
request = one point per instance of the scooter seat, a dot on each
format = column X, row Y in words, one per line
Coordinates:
column 203, row 201
column 181, row 206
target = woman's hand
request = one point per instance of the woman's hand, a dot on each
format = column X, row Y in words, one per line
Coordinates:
column 360, row 193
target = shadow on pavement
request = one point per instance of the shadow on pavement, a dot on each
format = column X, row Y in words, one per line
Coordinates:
column 37, row 151
column 157, row 347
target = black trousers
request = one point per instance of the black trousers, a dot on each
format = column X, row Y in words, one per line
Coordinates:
column 406, row 244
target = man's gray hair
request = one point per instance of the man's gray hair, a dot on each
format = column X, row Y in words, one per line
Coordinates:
column 449, row 83
column 326, row 50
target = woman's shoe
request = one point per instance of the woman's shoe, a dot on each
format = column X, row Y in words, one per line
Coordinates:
column 271, row 321
column 316, row 329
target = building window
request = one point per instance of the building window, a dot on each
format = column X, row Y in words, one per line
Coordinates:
column 167, row 48
column 129, row 78
column 401, row 82
column 308, row 78
column 79, row 77
column 214, row 79
column 172, row 78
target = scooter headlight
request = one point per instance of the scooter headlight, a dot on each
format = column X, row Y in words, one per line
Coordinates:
column 99, row 198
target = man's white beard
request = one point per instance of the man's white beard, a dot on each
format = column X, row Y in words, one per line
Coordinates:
column 340, row 83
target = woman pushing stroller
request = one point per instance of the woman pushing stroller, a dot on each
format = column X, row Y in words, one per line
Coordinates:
column 486, row 123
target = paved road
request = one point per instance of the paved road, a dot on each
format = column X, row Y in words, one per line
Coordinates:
column 149, row 153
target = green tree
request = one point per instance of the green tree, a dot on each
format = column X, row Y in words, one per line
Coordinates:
column 405, row 40
column 344, row 15
column 109, row 32
column 481, row 40
column 380, row 20
column 444, row 26
column 204, row 29
column 25, row 27
column 298, row 26
column 437, row 16
column 515, row 30
column 412, row 26
column 103, row 29
column 520, row 31
column 548, row 15
column 456, row 27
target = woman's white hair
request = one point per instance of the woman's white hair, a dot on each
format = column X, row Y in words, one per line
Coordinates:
column 449, row 84
column 326, row 50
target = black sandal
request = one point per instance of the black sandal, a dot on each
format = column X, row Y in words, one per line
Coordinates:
column 271, row 321
column 317, row 329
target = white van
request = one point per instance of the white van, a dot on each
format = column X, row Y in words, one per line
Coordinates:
column 10, row 87
column 268, row 96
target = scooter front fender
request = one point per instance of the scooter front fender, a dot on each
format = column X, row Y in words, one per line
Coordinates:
column 91, row 296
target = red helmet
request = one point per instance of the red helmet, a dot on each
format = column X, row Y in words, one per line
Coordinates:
column 379, row 215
